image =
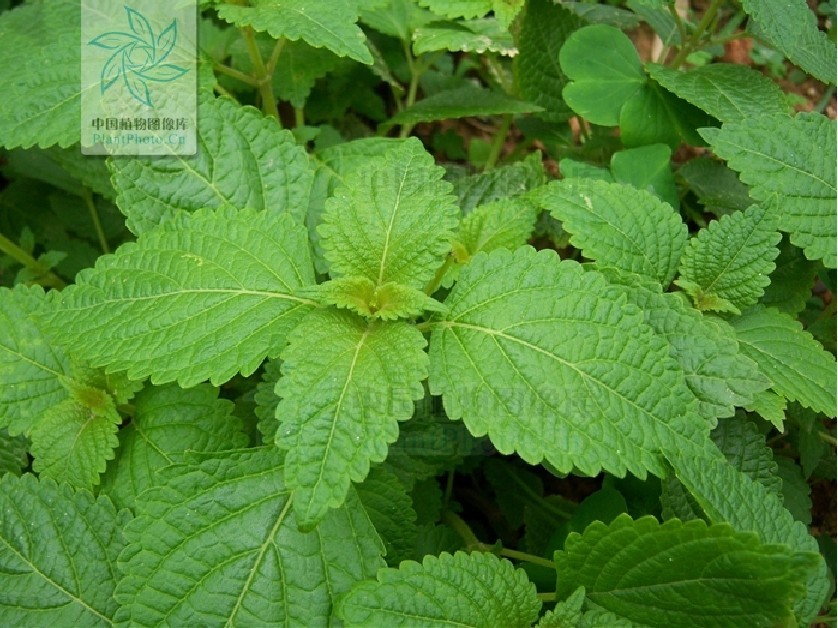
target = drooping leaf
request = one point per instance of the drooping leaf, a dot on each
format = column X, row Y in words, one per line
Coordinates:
column 341, row 405
column 618, row 225
column 245, row 161
column 58, row 552
column 729, row 92
column 777, row 157
column 505, row 223
column 167, row 421
column 682, row 573
column 391, row 220
column 203, row 296
column 550, row 362
column 388, row 301
column 476, row 589
column 799, row 368
column 479, row 36
column 391, row 511
column 726, row 266
column 321, row 23
column 218, row 543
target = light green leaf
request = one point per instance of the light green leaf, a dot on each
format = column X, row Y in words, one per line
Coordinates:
column 480, row 36
column 779, row 158
column 799, row 368
column 391, row 511
column 398, row 18
column 505, row 181
column 550, row 362
column 342, row 403
column 321, row 23
column 58, row 552
column 203, row 296
column 245, row 160
column 13, row 450
column 391, row 220
column 506, row 223
column 217, row 544
column 31, row 367
column 462, row 102
column 166, row 422
column 618, row 226
column 792, row 28
column 791, row 281
column 476, row 589
column 770, row 406
column 729, row 92
column 388, row 301
column 745, row 449
column 604, row 71
column 676, row 573
column 41, row 92
column 646, row 168
column 544, row 30
column 730, row 259
column 566, row 613
column 505, row 10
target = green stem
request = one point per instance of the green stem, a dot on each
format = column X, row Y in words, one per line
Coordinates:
column 263, row 78
column 547, row 597
column 94, row 216
column 416, row 71
column 459, row 526
column 498, row 142
column 433, row 284
column 271, row 66
column 46, row 277
column 236, row 74
column 528, row 558
column 690, row 46
column 828, row 438
column 824, row 101
column 449, row 489
column 299, row 117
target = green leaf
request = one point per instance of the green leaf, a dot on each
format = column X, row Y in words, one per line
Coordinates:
column 41, row 92
column 646, row 168
column 245, row 161
column 476, row 589
column 461, row 102
column 506, row 223
column 504, row 10
column 775, row 156
column 479, row 36
column 796, row 491
column 203, row 296
column 678, row 573
column 717, row 187
column 745, row 449
column 731, row 259
column 618, row 226
column 58, row 552
column 267, row 400
column 391, row 511
column 729, row 92
column 604, row 71
column 64, row 168
column 388, row 301
column 341, row 405
column 398, row 18
column 391, row 220
column 299, row 68
column 799, row 368
column 31, row 367
column 505, row 181
column 656, row 14
column 167, row 421
column 217, row 543
column 654, row 116
column 550, row 362
column 321, row 23
column 13, row 450
column 566, row 613
column 544, row 30
column 770, row 406
column 792, row 280
column 792, row 28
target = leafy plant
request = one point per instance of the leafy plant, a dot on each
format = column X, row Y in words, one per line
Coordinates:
column 313, row 376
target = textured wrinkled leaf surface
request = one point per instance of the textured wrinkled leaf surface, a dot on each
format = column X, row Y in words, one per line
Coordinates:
column 480, row 36
column 391, row 511
column 58, row 553
column 744, row 447
column 552, row 363
column 475, row 589
column 217, row 543
column 203, row 296
column 341, row 403
column 389, row 301
column 505, row 223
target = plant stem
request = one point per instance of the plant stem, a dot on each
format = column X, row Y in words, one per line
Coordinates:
column 415, row 74
column 236, row 74
column 498, row 142
column 449, row 488
column 433, row 285
column 47, row 277
column 690, row 46
column 459, row 526
column 824, row 101
column 547, row 597
column 261, row 75
column 271, row 66
column 94, row 216
column 299, row 117
column 828, row 438
column 528, row 558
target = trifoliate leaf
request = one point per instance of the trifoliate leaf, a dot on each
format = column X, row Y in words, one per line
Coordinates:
column 730, row 260
column 605, row 71
column 58, row 552
column 388, row 301
column 74, row 439
column 267, row 400
column 544, row 30
column 41, row 92
column 792, row 28
column 678, row 573
column 167, row 421
column 13, row 449
column 745, row 449
column 391, row 220
column 391, row 511
column 218, row 543
column 476, row 589
column 480, row 36
column 619, row 226
column 321, row 23
column 550, row 362
column 398, row 18
column 799, row 368
column 245, row 160
column 342, row 402
column 729, row 92
column 31, row 367
column 506, row 223
column 502, row 182
column 203, row 296
column 646, row 168
column 791, row 281
column 776, row 156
